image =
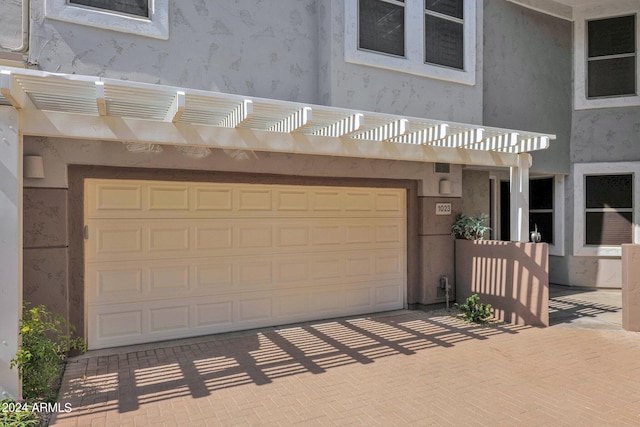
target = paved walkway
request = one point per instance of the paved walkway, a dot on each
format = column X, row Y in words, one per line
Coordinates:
column 405, row 367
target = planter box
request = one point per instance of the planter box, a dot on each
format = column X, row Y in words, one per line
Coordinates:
column 512, row 276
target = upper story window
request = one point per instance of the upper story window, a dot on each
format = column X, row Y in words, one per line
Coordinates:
column 606, row 60
column 611, row 57
column 430, row 38
column 131, row 7
column 148, row 18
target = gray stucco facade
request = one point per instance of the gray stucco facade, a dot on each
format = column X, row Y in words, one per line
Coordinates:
column 296, row 52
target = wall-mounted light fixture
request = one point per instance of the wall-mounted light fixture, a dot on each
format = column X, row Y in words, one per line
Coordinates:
column 445, row 186
column 33, row 167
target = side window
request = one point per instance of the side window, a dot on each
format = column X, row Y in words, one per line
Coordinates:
column 541, row 212
column 611, row 57
column 608, row 209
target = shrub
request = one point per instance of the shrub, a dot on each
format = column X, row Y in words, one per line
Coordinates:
column 470, row 227
column 473, row 311
column 46, row 339
column 17, row 414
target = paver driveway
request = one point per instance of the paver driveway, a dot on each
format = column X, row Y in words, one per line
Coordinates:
column 407, row 367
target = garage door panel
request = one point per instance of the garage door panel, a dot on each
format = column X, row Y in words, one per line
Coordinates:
column 184, row 259
column 171, row 318
column 168, row 197
column 214, row 314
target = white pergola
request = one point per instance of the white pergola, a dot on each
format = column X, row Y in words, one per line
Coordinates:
column 86, row 107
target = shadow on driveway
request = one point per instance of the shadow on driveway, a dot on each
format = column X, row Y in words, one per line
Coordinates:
column 130, row 378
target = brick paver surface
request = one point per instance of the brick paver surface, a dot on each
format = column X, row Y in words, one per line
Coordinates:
column 403, row 368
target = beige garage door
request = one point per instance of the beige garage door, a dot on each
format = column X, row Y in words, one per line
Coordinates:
column 174, row 259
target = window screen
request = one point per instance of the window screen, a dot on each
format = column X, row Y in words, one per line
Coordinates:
column 381, row 26
column 132, row 7
column 611, row 67
column 609, row 209
column 444, row 33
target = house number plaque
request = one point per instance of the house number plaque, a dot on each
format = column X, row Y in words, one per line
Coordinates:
column 443, row 208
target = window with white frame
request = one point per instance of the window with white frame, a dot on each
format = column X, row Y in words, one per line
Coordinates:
column 606, row 62
column 148, row 18
column 431, row 38
column 605, row 207
column 611, row 57
column 608, row 209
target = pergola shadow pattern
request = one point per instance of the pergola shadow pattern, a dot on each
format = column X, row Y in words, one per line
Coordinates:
column 126, row 382
column 568, row 309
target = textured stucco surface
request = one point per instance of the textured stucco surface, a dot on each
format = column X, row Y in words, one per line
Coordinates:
column 475, row 192
column 606, row 135
column 527, row 77
column 58, row 153
column 10, row 24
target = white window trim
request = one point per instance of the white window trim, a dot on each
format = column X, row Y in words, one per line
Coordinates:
column 413, row 63
column 156, row 26
column 614, row 168
column 603, row 11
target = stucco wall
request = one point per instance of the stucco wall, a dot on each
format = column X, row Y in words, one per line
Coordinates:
column 294, row 52
column 527, row 77
column 10, row 24
column 475, row 193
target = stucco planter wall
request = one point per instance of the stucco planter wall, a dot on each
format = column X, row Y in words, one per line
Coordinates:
column 512, row 276
column 631, row 287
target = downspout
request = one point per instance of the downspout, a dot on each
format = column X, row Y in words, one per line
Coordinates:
column 24, row 47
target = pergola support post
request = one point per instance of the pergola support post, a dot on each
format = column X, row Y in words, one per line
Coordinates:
column 519, row 200
column 11, row 249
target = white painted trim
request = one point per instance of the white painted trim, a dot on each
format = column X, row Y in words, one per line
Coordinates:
column 11, row 248
column 413, row 63
column 82, row 126
column 558, row 216
column 519, row 199
column 549, row 7
column 582, row 15
column 156, row 26
column 579, row 171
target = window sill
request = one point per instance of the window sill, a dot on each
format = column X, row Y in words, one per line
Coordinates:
column 157, row 26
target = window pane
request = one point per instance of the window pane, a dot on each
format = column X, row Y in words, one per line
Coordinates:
column 444, row 42
column 612, row 77
column 544, row 221
column 132, row 7
column 448, row 7
column 612, row 36
column 541, row 193
column 609, row 191
column 608, row 228
column 505, row 209
column 381, row 27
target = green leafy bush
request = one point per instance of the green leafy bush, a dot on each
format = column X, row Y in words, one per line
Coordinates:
column 17, row 414
column 474, row 311
column 470, row 227
column 46, row 339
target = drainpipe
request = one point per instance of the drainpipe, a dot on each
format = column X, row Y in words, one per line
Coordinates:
column 25, row 29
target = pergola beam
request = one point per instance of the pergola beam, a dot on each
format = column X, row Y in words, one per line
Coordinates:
column 101, row 103
column 344, row 127
column 239, row 115
column 79, row 126
column 424, row 136
column 385, row 132
column 11, row 90
column 294, row 122
column 177, row 108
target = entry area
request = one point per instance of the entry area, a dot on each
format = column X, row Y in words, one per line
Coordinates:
column 167, row 260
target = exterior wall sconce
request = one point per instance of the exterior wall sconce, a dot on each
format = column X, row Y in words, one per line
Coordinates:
column 33, row 167
column 445, row 186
